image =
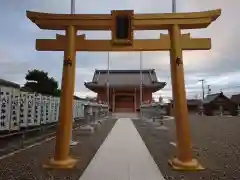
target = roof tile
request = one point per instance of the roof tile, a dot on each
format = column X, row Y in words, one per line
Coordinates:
column 125, row 77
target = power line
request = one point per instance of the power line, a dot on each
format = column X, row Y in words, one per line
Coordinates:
column 231, row 87
column 198, row 89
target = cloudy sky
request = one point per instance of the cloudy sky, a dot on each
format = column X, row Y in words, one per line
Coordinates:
column 220, row 67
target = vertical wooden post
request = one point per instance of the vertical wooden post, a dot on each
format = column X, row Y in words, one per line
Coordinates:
column 184, row 157
column 61, row 157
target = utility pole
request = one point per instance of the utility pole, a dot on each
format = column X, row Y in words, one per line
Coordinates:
column 141, row 86
column 209, row 90
column 72, row 143
column 203, row 93
column 141, row 81
column 174, row 6
column 108, row 81
column 72, row 6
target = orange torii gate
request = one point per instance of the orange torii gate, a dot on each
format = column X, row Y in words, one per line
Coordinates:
column 122, row 23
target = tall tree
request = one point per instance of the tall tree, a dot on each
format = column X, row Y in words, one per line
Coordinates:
column 38, row 81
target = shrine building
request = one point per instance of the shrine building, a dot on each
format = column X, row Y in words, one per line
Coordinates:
column 124, row 88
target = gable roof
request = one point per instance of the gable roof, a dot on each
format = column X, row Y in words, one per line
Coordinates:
column 6, row 83
column 212, row 97
column 123, row 78
column 236, row 98
column 194, row 102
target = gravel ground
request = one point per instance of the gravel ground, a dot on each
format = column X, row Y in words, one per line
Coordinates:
column 12, row 143
column 27, row 165
column 215, row 141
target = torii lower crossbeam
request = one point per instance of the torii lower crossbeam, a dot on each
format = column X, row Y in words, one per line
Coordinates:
column 162, row 44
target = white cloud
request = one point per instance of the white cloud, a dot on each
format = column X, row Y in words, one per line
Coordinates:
column 219, row 66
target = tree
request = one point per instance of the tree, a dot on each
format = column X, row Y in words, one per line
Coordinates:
column 38, row 81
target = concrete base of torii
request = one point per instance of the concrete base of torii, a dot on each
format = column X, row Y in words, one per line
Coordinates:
column 55, row 164
column 193, row 165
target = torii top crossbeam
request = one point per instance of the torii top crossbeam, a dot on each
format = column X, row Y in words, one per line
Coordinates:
column 153, row 21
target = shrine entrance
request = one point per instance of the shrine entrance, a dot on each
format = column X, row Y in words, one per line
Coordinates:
column 124, row 103
column 122, row 24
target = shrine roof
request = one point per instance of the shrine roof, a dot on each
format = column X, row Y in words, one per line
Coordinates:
column 124, row 78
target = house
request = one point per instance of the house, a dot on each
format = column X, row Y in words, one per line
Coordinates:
column 218, row 103
column 236, row 99
column 193, row 105
column 124, row 88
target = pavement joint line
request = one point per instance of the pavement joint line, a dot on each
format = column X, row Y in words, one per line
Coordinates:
column 30, row 146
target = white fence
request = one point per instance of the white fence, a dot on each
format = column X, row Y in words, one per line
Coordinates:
column 21, row 109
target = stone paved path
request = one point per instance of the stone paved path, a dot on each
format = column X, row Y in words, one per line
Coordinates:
column 123, row 156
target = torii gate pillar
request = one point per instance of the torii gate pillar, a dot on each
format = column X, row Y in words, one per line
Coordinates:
column 184, row 158
column 61, row 157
